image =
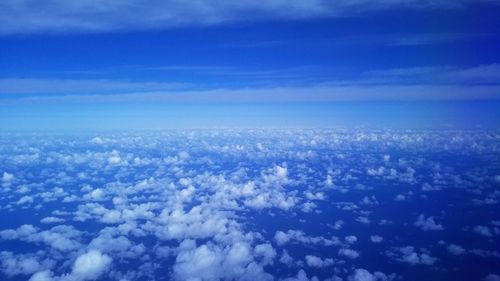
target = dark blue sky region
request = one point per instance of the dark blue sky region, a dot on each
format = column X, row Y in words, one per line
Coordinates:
column 295, row 63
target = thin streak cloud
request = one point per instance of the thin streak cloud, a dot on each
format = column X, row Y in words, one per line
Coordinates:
column 58, row 16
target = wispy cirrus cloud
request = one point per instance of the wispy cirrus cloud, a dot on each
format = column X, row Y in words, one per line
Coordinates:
column 400, row 84
column 24, row 86
column 280, row 94
column 482, row 74
column 59, row 16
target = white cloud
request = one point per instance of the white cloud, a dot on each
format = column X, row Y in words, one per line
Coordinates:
column 483, row 230
column 325, row 92
column 91, row 265
column 376, row 238
column 7, row 177
column 283, row 238
column 213, row 262
column 22, row 264
column 361, row 274
column 51, row 220
column 350, row 253
column 492, row 277
column 62, row 237
column 411, row 256
column 45, row 275
column 427, row 223
column 301, row 276
column 92, row 16
column 25, row 200
column 456, row 249
column 314, row 261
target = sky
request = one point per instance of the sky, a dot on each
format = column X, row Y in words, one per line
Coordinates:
column 146, row 65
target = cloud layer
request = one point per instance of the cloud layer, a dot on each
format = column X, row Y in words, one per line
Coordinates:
column 58, row 16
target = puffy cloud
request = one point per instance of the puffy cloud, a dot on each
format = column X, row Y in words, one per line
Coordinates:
column 456, row 249
column 427, row 223
column 22, row 264
column 314, row 261
column 45, row 275
column 410, row 255
column 266, row 251
column 91, row 265
column 351, row 239
column 48, row 220
column 302, row 276
column 350, row 253
column 62, row 237
column 283, row 238
column 376, row 238
column 213, row 262
column 361, row 274
column 482, row 230
column 97, row 140
column 7, row 177
column 492, row 277
column 25, row 200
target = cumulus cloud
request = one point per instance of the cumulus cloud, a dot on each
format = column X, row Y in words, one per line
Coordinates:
column 62, row 237
column 213, row 262
column 376, row 238
column 456, row 250
column 7, row 177
column 301, row 276
column 482, row 230
column 45, row 275
column 411, row 256
column 361, row 274
column 91, row 265
column 350, row 253
column 492, row 277
column 198, row 219
column 22, row 264
column 283, row 238
column 427, row 223
column 314, row 261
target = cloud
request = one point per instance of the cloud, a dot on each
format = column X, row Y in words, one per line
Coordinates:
column 315, row 93
column 22, row 264
column 26, row 86
column 405, row 84
column 214, row 262
column 291, row 236
column 376, row 238
column 480, row 74
column 361, row 274
column 45, row 275
column 411, row 256
column 301, row 276
column 93, row 16
column 7, row 177
column 456, row 250
column 48, row 220
column 492, row 277
column 314, row 261
column 483, row 230
column 62, row 237
column 427, row 223
column 350, row 253
column 91, row 265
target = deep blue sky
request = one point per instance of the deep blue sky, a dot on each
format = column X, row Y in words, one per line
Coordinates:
column 284, row 63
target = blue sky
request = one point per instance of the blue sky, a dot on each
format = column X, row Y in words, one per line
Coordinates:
column 143, row 65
